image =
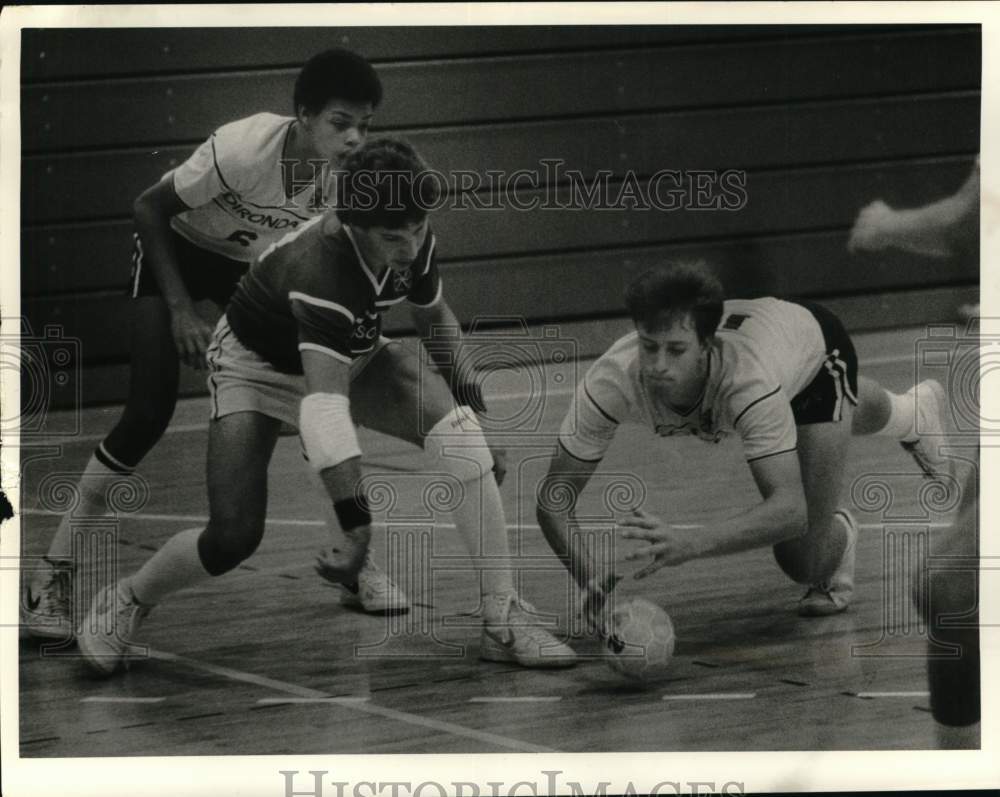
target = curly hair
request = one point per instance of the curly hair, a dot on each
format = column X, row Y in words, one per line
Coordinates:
column 659, row 297
column 386, row 183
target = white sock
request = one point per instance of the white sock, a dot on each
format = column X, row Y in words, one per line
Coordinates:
column 479, row 517
column 902, row 417
column 93, row 486
column 174, row 567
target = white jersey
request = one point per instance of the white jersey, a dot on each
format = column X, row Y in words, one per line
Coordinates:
column 767, row 351
column 235, row 187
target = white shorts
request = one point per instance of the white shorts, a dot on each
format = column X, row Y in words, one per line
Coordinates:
column 240, row 380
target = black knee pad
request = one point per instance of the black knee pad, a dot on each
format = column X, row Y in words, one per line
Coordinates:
column 954, row 682
column 221, row 550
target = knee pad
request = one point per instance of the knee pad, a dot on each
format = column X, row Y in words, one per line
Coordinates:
column 221, row 551
column 456, row 445
column 954, row 682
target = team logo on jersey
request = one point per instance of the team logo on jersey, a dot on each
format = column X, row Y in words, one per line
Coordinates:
column 704, row 430
column 402, row 281
column 365, row 330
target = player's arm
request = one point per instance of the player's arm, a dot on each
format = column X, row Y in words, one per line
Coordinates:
column 781, row 515
column 331, row 443
column 558, row 492
column 936, row 229
column 439, row 330
column 152, row 212
column 557, row 496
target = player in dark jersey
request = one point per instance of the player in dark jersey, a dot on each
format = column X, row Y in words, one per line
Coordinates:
column 198, row 229
column 300, row 344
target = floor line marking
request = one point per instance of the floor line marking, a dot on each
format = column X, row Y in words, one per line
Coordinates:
column 367, row 708
column 893, row 694
column 99, row 699
column 308, row 700
column 525, row 699
column 714, row 696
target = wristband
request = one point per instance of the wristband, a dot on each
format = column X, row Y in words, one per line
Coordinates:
column 352, row 512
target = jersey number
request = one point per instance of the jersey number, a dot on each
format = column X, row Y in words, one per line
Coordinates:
column 243, row 237
column 735, row 321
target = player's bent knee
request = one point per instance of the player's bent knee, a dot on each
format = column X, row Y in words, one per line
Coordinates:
column 225, row 544
column 456, row 445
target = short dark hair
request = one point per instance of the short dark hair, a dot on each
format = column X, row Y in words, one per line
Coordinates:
column 661, row 296
column 386, row 183
column 336, row 74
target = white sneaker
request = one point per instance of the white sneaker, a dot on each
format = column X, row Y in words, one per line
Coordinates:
column 931, row 403
column 48, row 606
column 834, row 595
column 374, row 592
column 105, row 637
column 513, row 634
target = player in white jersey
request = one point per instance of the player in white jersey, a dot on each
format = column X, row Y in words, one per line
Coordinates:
column 197, row 230
column 300, row 345
column 783, row 379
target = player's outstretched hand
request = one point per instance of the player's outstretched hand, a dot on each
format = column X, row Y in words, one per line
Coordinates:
column 192, row 336
column 668, row 545
column 340, row 567
column 872, row 227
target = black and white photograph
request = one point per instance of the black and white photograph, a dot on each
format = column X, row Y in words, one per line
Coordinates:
column 501, row 384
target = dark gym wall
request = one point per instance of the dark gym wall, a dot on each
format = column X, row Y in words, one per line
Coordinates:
column 822, row 120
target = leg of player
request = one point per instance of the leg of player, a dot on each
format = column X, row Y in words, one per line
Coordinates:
column 824, row 557
column 239, row 450
column 915, row 419
column 396, row 396
column 951, row 610
column 150, row 404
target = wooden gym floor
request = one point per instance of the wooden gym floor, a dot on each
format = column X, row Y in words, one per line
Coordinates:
column 265, row 660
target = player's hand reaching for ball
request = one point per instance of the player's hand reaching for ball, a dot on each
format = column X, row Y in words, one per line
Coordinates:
column 338, row 567
column 668, row 545
column 342, row 567
column 192, row 336
column 872, row 228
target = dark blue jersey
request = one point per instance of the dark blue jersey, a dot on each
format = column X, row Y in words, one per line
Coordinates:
column 313, row 290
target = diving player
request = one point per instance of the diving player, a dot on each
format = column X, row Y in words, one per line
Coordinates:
column 197, row 230
column 301, row 344
column 783, row 378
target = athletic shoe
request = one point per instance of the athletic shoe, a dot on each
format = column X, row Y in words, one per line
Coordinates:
column 105, row 637
column 48, row 607
column 931, row 402
column 514, row 635
column 374, row 592
column 833, row 596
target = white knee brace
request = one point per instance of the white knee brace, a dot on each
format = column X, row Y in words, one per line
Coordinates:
column 457, row 446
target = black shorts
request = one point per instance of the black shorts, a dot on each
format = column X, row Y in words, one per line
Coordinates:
column 205, row 274
column 822, row 400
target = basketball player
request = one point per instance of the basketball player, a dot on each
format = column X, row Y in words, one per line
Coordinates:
column 781, row 377
column 300, row 344
column 197, row 230
column 948, row 227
